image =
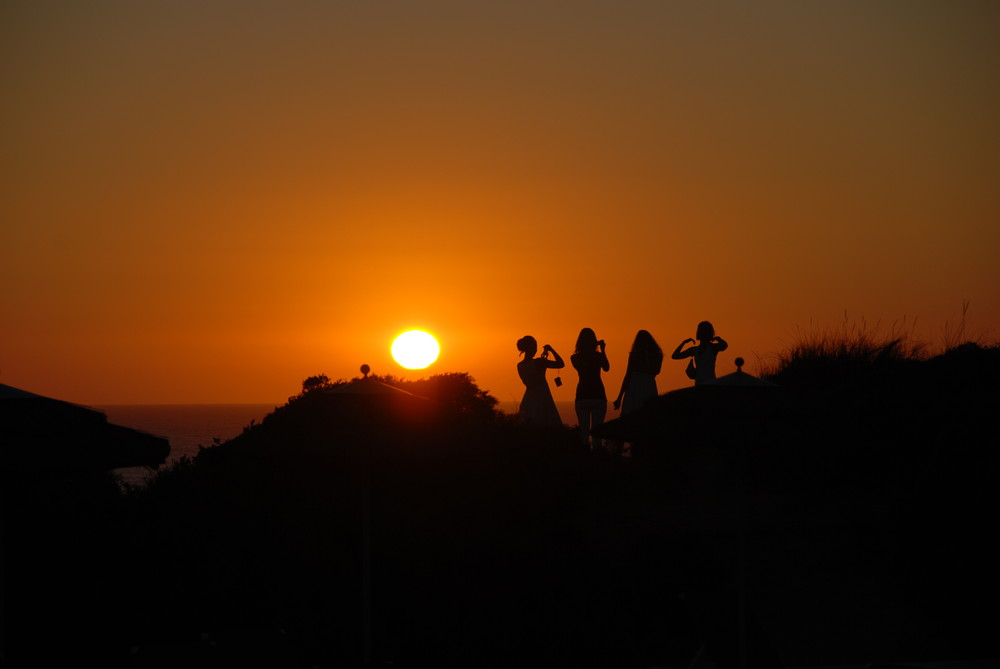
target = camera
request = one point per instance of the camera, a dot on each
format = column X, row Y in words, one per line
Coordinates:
column 558, row 381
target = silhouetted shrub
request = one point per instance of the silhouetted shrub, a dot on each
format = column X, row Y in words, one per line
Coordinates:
column 318, row 382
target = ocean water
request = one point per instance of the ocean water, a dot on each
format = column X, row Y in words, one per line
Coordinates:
column 188, row 426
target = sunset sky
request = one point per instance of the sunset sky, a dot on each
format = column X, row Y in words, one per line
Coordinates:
column 210, row 201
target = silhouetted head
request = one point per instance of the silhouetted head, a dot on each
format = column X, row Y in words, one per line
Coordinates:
column 705, row 331
column 644, row 343
column 587, row 341
column 527, row 346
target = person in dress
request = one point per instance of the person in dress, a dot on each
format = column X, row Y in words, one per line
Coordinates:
column 589, row 359
column 639, row 384
column 537, row 405
column 703, row 353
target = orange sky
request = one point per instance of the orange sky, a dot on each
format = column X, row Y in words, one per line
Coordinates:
column 209, row 202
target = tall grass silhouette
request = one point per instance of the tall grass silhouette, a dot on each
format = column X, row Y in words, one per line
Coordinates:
column 851, row 348
column 856, row 343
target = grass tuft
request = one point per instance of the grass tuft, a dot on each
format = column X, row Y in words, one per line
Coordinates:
column 854, row 348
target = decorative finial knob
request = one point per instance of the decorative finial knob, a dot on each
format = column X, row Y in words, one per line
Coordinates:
column 365, row 369
column 739, row 364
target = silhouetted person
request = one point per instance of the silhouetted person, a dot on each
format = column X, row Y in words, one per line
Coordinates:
column 639, row 384
column 537, row 405
column 704, row 353
column 591, row 400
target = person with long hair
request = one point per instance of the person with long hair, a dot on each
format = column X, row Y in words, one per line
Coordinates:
column 644, row 363
column 589, row 359
column 703, row 354
column 537, row 406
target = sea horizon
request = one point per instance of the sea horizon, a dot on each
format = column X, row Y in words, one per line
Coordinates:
column 186, row 426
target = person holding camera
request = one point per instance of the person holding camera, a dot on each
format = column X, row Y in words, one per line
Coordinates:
column 701, row 367
column 537, row 406
column 589, row 360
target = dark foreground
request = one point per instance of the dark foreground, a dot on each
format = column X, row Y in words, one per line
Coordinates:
column 348, row 530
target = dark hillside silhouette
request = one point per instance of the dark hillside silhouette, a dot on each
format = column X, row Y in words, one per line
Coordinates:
column 865, row 481
column 848, row 522
column 406, row 529
column 909, row 449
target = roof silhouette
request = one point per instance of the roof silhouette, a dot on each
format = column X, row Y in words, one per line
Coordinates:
column 45, row 435
column 740, row 378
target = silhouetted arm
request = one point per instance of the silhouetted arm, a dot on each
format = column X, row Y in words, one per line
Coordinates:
column 605, row 365
column 720, row 344
column 617, row 404
column 678, row 354
column 557, row 362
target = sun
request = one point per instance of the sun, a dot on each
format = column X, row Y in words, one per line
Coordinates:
column 415, row 349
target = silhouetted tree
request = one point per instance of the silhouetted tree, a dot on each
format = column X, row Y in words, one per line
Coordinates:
column 457, row 390
column 318, row 382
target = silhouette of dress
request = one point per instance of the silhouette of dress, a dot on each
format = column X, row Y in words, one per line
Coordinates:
column 703, row 353
column 641, row 383
column 537, row 405
column 704, row 362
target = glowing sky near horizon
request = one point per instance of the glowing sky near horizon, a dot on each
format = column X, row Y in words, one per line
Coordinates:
column 210, row 202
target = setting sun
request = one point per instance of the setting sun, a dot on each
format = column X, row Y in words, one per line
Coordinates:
column 415, row 349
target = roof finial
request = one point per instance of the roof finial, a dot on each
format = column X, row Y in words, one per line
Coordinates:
column 364, row 370
column 739, row 364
